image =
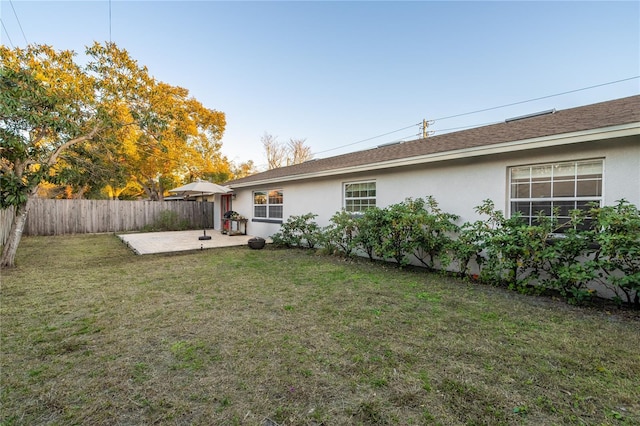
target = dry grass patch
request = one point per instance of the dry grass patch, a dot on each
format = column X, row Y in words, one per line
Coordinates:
column 92, row 334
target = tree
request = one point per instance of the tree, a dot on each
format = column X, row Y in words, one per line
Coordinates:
column 243, row 169
column 183, row 146
column 275, row 152
column 47, row 105
column 107, row 123
column 278, row 154
column 298, row 152
column 89, row 170
column 167, row 137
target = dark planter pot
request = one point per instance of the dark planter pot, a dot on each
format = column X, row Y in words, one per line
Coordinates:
column 256, row 243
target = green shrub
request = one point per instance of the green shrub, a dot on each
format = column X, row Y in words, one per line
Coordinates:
column 468, row 246
column 298, row 231
column 569, row 259
column 168, row 221
column 369, row 231
column 513, row 250
column 525, row 257
column 339, row 237
column 617, row 231
column 433, row 233
column 400, row 230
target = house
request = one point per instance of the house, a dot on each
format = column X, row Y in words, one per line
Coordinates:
column 564, row 159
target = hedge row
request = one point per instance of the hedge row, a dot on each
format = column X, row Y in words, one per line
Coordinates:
column 600, row 246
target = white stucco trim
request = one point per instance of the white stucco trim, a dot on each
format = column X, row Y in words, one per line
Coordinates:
column 620, row 131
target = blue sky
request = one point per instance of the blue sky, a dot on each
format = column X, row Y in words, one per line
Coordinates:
column 337, row 73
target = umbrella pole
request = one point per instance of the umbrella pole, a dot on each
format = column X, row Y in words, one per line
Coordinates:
column 204, row 225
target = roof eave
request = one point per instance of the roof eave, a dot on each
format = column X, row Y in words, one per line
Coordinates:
column 611, row 132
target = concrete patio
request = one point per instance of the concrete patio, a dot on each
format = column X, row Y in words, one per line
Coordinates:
column 175, row 241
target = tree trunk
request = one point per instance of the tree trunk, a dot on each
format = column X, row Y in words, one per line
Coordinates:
column 81, row 191
column 11, row 247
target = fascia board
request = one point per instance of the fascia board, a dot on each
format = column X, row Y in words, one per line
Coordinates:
column 620, row 131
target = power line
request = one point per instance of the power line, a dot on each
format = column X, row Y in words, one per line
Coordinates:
column 368, row 139
column 478, row 111
column 19, row 24
column 540, row 98
column 7, row 33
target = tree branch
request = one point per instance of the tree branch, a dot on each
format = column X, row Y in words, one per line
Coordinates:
column 72, row 142
column 40, row 134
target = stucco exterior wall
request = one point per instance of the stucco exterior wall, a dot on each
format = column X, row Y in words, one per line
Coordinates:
column 457, row 185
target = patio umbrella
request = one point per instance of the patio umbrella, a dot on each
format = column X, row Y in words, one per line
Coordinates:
column 201, row 187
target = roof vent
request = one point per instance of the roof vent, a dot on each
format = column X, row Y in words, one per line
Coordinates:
column 535, row 114
column 389, row 144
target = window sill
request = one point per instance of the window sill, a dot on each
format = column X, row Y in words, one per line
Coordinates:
column 278, row 221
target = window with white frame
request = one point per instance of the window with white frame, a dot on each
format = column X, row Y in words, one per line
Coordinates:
column 359, row 196
column 567, row 186
column 268, row 204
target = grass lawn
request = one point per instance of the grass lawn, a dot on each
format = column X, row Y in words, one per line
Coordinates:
column 93, row 334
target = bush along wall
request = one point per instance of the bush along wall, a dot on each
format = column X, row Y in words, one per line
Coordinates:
column 299, row 231
column 601, row 246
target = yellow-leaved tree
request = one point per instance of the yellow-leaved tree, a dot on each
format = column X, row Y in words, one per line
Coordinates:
column 167, row 137
column 106, row 123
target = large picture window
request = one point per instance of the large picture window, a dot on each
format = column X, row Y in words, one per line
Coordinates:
column 359, row 196
column 268, row 204
column 544, row 187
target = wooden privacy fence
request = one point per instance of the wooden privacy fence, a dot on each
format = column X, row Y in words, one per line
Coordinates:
column 58, row 217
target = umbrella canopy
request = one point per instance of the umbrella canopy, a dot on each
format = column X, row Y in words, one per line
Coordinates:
column 201, row 187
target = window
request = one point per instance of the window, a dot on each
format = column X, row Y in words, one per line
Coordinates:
column 359, row 196
column 268, row 204
column 566, row 186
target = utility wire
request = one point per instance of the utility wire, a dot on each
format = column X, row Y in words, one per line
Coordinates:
column 7, row 33
column 19, row 24
column 368, row 139
column 537, row 99
column 478, row 111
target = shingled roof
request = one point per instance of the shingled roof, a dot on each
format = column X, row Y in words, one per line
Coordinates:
column 596, row 116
